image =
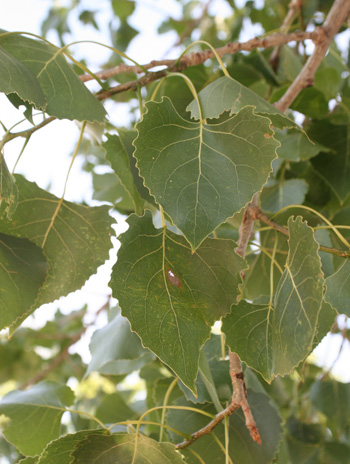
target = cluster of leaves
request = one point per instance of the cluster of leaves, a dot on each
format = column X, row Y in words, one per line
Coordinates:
column 207, row 142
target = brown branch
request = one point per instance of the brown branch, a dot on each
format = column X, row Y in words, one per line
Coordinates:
column 337, row 15
column 294, row 8
column 196, row 58
column 256, row 213
column 239, row 400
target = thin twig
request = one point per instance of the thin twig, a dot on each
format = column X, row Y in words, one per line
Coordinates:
column 337, row 15
column 196, row 58
column 256, row 213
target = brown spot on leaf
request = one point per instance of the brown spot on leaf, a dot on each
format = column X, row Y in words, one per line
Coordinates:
column 173, row 278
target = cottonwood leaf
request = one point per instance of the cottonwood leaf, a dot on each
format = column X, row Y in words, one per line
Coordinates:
column 60, row 451
column 75, row 239
column 120, row 448
column 274, row 339
column 203, row 174
column 35, row 415
column 8, row 188
column 226, row 94
column 115, row 350
column 333, row 400
column 171, row 295
column 65, row 94
column 119, row 160
column 22, row 272
column 333, row 167
column 283, row 193
column 296, row 146
column 113, row 408
column 16, row 77
column 242, row 449
column 338, row 289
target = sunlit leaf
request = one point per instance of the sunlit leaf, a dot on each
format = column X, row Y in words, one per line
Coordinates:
column 22, row 272
column 115, row 350
column 75, row 238
column 202, row 174
column 226, row 94
column 274, row 339
column 171, row 295
column 47, row 70
column 35, row 415
column 120, row 448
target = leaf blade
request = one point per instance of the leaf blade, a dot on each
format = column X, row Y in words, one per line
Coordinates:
column 203, row 174
column 173, row 317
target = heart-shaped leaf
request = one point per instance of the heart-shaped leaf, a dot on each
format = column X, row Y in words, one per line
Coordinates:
column 22, row 272
column 274, row 339
column 42, row 67
column 171, row 295
column 226, row 94
column 35, row 415
column 203, row 174
column 124, row 448
column 75, row 238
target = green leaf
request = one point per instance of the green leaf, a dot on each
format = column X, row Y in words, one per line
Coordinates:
column 75, row 239
column 213, row 382
column 333, row 168
column 257, row 278
column 107, row 187
column 325, row 321
column 16, row 77
column 311, row 102
column 119, row 448
column 60, row 451
column 242, row 449
column 296, row 146
column 226, row 94
column 35, row 415
column 114, row 409
column 119, row 160
column 123, row 8
column 22, row 273
column 8, row 188
column 283, row 193
column 115, row 350
column 203, row 174
column 338, row 289
column 274, row 339
column 171, row 295
column 333, row 400
column 45, row 68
